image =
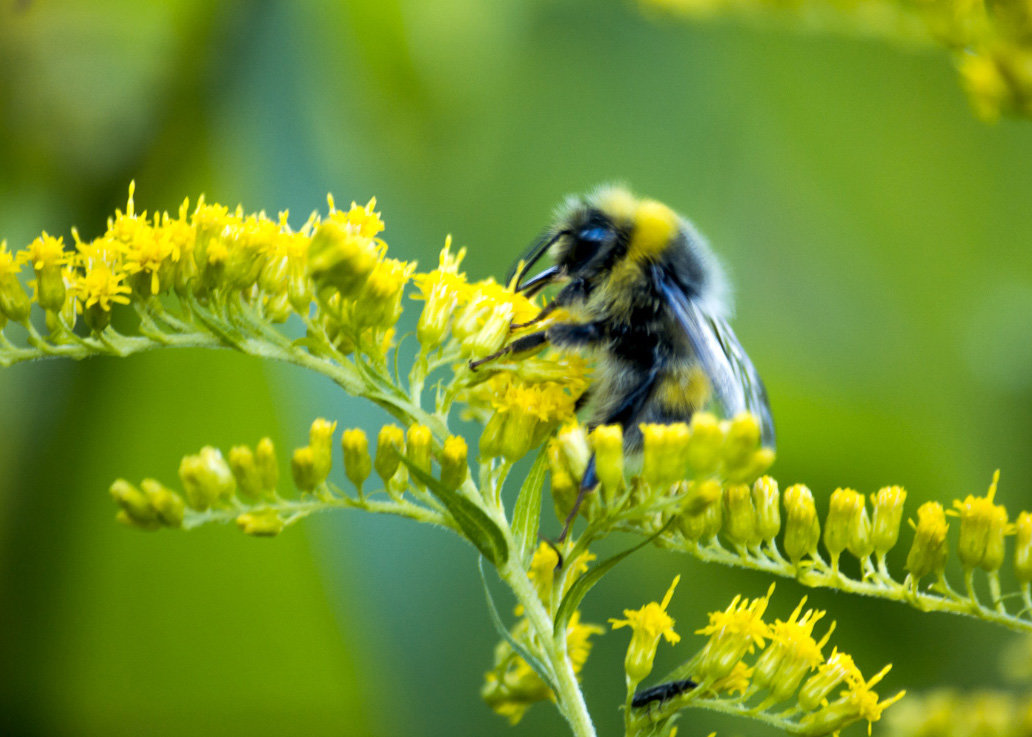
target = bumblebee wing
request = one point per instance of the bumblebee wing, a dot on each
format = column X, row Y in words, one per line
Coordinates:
column 737, row 386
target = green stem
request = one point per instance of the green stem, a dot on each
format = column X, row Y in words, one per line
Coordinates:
column 568, row 695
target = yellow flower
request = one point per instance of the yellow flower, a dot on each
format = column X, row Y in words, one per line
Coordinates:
column 733, row 633
column 792, row 652
column 648, row 624
column 983, row 526
column 928, row 551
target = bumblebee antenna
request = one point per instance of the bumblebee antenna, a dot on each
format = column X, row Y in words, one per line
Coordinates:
column 532, row 256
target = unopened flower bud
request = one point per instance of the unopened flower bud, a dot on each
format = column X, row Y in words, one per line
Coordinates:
column 491, row 335
column 573, row 443
column 837, row 669
column 928, row 551
column 704, row 525
column 802, row 530
column 357, row 463
column 698, row 495
column 705, row 443
column 665, row 453
column 888, row 511
column 454, row 468
column 1023, row 548
column 245, row 470
column 607, row 441
column 340, row 258
column 168, row 504
column 740, row 515
column 379, row 302
column 741, row 441
column 491, row 438
column 767, row 501
column 261, row 523
column 137, row 507
column 419, row 439
column 303, row 467
column 320, row 439
column 206, row 478
column 268, row 467
column 390, row 444
column 14, row 302
column 983, row 525
column 564, row 486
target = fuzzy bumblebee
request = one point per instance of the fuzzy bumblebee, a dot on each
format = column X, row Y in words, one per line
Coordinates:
column 643, row 294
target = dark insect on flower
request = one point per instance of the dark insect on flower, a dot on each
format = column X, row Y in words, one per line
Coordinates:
column 643, row 294
column 662, row 692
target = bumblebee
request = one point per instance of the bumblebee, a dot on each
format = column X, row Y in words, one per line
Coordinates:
column 643, row 294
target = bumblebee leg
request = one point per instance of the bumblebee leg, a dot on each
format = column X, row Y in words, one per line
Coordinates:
column 520, row 345
column 545, row 312
column 588, row 483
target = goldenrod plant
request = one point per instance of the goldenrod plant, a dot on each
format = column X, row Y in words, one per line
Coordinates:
column 990, row 42
column 328, row 298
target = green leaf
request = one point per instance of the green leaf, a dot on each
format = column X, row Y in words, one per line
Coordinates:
column 586, row 582
column 527, row 514
column 537, row 665
column 480, row 529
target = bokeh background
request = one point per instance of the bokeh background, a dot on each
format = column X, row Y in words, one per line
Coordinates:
column 877, row 233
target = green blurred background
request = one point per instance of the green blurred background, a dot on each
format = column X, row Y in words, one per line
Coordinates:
column 877, row 233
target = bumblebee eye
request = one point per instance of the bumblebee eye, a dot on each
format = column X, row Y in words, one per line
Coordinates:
column 595, row 235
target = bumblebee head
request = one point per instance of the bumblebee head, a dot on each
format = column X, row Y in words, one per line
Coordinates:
column 593, row 233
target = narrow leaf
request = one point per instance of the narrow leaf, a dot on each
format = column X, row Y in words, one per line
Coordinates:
column 537, row 665
column 526, row 515
column 585, row 583
column 480, row 529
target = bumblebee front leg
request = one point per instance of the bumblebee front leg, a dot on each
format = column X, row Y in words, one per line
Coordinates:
column 565, row 335
column 520, row 345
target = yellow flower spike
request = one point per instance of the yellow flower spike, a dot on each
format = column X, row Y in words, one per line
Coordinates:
column 791, row 655
column 705, row 443
column 578, row 644
column 1023, row 548
column 648, row 624
column 390, row 444
column 168, row 504
column 268, row 466
column 454, row 465
column 304, row 469
column 357, row 463
column 136, row 505
column 740, row 516
column 418, row 442
column 48, row 258
column 245, row 470
column 767, row 501
column 802, row 530
column 607, row 442
column 262, row 523
column 320, row 440
column 734, row 633
column 928, row 551
column 206, row 478
column 888, row 512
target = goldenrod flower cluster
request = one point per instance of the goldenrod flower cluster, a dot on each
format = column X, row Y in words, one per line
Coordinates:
column 763, row 665
column 991, row 43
